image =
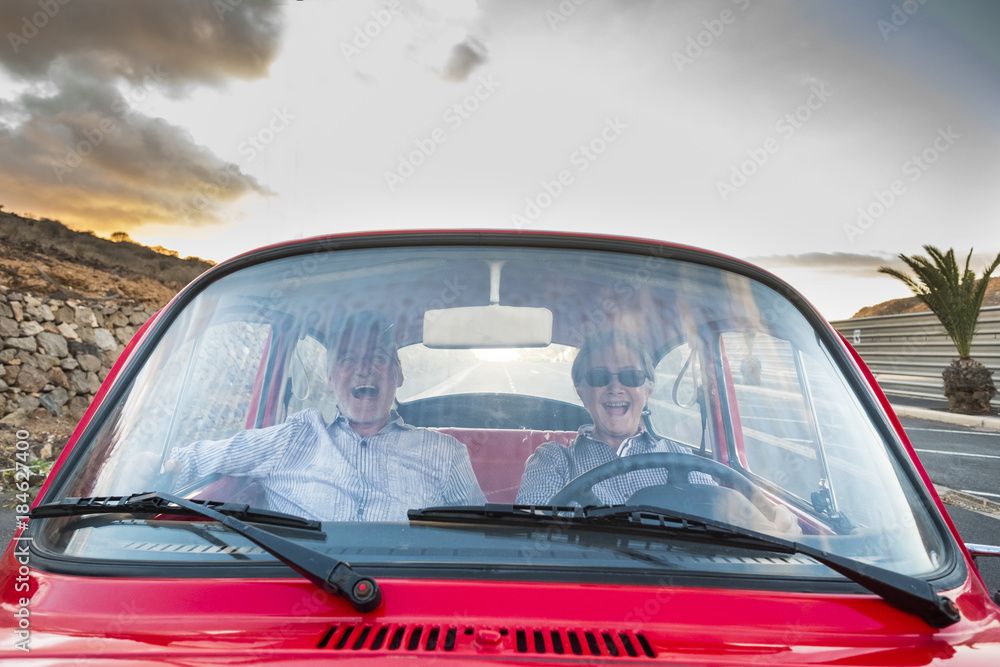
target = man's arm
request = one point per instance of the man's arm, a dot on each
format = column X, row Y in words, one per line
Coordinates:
column 462, row 486
column 252, row 453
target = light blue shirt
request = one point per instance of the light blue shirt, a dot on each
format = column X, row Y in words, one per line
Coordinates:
column 331, row 473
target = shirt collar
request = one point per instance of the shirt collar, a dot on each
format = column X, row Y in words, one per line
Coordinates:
column 395, row 421
column 587, row 431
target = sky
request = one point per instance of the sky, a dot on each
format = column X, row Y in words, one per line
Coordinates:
column 818, row 140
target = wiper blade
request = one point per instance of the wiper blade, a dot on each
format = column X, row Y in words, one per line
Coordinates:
column 333, row 576
column 649, row 520
column 158, row 504
column 902, row 591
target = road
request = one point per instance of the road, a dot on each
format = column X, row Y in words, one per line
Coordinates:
column 966, row 460
column 958, row 457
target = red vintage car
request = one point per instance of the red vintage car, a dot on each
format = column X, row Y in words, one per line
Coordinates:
column 491, row 447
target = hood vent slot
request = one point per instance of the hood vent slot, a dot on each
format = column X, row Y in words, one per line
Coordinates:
column 583, row 642
column 468, row 639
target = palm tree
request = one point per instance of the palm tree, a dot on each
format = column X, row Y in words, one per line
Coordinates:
column 955, row 297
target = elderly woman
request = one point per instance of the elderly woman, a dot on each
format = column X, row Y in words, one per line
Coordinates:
column 613, row 376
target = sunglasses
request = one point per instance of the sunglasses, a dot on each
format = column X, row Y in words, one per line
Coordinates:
column 601, row 377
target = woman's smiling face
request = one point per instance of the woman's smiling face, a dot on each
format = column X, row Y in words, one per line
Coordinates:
column 615, row 408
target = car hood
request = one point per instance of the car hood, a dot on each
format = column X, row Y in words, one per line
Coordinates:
column 281, row 621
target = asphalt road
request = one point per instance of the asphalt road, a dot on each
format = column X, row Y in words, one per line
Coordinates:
column 977, row 528
column 966, row 460
column 958, row 457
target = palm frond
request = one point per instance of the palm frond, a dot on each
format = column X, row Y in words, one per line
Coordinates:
column 954, row 295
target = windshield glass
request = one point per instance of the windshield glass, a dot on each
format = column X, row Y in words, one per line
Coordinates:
column 352, row 386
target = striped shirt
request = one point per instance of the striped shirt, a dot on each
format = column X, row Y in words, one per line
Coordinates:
column 331, row 473
column 553, row 466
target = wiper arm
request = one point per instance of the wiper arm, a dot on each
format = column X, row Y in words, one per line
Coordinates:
column 333, row 576
column 902, row 591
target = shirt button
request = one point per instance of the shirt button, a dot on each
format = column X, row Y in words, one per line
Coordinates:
column 364, row 443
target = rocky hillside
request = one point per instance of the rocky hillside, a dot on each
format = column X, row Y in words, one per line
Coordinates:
column 69, row 302
column 44, row 257
column 913, row 305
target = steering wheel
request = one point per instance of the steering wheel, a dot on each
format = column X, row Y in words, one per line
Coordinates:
column 676, row 464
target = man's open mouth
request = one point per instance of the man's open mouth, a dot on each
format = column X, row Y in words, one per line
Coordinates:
column 365, row 391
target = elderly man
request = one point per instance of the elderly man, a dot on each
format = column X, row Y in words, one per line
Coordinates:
column 365, row 465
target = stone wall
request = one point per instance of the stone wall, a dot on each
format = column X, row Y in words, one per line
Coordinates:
column 55, row 353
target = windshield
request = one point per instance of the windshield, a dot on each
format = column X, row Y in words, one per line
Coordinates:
column 355, row 385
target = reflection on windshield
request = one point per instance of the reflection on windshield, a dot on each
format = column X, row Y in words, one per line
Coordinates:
column 302, row 385
column 541, row 372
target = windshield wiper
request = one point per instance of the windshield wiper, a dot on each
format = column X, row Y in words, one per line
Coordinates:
column 902, row 591
column 333, row 576
column 158, row 503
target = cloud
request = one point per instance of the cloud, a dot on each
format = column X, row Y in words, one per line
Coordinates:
column 83, row 153
column 836, row 262
column 854, row 264
column 446, row 37
column 72, row 142
column 194, row 40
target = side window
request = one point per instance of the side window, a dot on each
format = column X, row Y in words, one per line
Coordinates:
column 777, row 443
column 307, row 377
column 217, row 373
column 203, row 391
column 677, row 377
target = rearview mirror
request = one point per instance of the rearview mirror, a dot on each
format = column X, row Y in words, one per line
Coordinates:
column 487, row 326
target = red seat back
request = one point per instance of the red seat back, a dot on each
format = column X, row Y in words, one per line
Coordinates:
column 498, row 456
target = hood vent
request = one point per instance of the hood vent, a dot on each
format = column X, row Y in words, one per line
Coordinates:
column 485, row 639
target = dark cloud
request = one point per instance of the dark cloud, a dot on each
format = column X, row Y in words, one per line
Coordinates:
column 195, row 40
column 464, row 57
column 85, row 154
column 75, row 146
column 450, row 43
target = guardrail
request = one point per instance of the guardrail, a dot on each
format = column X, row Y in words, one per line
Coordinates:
column 908, row 352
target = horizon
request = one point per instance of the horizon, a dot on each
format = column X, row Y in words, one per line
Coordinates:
column 817, row 141
column 176, row 254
